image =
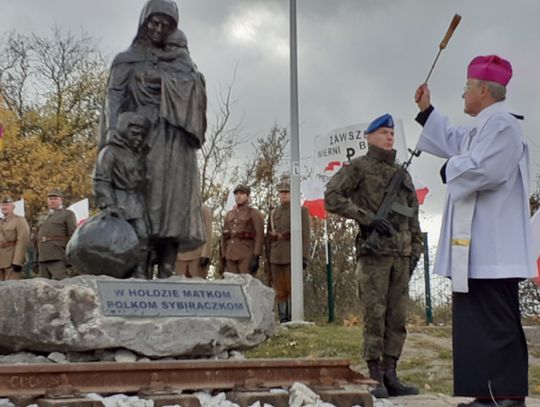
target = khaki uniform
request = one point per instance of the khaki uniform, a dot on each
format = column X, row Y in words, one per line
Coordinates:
column 189, row 263
column 243, row 238
column 14, row 240
column 278, row 243
column 51, row 241
column 356, row 192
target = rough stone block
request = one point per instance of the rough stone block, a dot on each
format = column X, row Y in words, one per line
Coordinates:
column 247, row 398
column 184, row 400
column 346, row 398
column 40, row 315
column 69, row 402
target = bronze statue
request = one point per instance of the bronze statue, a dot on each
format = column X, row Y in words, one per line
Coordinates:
column 156, row 78
column 119, row 179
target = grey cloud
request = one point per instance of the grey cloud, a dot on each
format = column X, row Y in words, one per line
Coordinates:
column 357, row 59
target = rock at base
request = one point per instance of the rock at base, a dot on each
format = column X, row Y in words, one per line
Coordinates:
column 41, row 315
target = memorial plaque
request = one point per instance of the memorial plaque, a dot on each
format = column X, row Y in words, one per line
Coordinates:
column 172, row 299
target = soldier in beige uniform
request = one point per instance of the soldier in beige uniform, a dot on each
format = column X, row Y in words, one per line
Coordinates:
column 278, row 244
column 243, row 235
column 195, row 263
column 52, row 238
column 14, row 240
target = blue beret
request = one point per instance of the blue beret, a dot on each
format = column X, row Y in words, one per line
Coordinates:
column 384, row 121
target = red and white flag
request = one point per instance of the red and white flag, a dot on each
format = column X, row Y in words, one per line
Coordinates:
column 312, row 191
column 421, row 190
column 81, row 210
column 231, row 202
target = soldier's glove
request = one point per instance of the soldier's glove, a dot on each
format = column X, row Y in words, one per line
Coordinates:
column 382, row 225
column 413, row 261
column 254, row 265
column 16, row 268
column 204, row 261
column 305, row 263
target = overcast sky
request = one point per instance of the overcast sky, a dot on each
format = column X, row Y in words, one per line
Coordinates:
column 358, row 59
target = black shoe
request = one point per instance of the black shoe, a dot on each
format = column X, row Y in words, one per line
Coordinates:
column 397, row 388
column 376, row 373
column 380, row 392
column 490, row 403
column 392, row 382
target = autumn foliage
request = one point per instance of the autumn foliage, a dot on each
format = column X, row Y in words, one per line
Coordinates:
column 51, row 92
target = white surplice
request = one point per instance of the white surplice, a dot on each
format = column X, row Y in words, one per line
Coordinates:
column 485, row 229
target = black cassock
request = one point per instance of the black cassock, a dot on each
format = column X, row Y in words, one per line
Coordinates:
column 490, row 350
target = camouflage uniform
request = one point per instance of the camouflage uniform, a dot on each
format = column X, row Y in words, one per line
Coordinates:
column 356, row 192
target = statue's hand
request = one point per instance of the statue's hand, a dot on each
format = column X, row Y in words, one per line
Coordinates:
column 115, row 212
column 152, row 80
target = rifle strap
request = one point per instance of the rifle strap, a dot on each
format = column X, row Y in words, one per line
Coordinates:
column 403, row 210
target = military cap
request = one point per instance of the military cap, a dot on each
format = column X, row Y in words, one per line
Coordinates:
column 7, row 199
column 383, row 121
column 284, row 186
column 55, row 192
column 242, row 188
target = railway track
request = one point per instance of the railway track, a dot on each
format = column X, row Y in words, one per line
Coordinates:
column 158, row 379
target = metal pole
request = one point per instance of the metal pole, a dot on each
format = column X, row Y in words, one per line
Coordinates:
column 329, row 275
column 429, row 310
column 297, row 282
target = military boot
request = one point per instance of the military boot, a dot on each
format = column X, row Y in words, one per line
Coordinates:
column 391, row 380
column 376, row 373
column 282, row 311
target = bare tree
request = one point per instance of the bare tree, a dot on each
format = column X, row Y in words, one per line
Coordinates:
column 218, row 149
column 265, row 169
column 51, row 89
column 54, row 85
column 15, row 70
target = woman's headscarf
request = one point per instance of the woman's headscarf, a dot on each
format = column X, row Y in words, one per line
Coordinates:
column 167, row 7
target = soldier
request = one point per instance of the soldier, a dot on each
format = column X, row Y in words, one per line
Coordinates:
column 356, row 192
column 195, row 263
column 278, row 243
column 243, row 235
column 14, row 240
column 52, row 238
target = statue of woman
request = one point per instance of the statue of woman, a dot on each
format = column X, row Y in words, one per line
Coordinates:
column 155, row 77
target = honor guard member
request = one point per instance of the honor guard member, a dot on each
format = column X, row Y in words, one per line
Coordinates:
column 195, row 263
column 52, row 237
column 14, row 240
column 485, row 244
column 243, row 235
column 278, row 243
column 356, row 192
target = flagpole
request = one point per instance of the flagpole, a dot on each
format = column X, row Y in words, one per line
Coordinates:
column 297, row 283
column 329, row 274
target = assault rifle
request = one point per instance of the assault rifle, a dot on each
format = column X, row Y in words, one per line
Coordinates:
column 389, row 204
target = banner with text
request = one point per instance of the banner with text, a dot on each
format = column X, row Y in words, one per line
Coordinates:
column 339, row 146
